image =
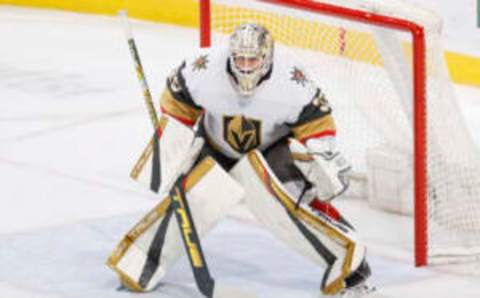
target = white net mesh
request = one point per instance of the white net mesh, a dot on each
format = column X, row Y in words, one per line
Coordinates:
column 366, row 72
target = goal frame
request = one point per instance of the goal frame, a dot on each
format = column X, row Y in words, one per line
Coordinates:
column 417, row 33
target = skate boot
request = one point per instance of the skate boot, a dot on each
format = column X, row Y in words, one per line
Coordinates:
column 363, row 290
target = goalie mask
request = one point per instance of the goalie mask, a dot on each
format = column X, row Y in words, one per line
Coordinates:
column 251, row 57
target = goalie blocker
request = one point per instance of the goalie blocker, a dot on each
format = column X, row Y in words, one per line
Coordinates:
column 152, row 246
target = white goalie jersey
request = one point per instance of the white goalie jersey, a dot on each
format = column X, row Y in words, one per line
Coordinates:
column 286, row 102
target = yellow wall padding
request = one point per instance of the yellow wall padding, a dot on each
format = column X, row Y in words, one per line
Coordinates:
column 181, row 12
column 463, row 69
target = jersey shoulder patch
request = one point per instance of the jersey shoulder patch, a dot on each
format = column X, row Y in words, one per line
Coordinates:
column 298, row 76
column 200, row 63
column 295, row 83
column 296, row 88
column 202, row 67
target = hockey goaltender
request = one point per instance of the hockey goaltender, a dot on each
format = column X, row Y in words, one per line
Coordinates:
column 242, row 124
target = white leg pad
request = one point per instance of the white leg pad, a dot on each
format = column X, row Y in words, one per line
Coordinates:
column 155, row 244
column 163, row 154
column 333, row 246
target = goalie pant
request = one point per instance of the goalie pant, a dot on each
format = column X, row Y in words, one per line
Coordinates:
column 153, row 245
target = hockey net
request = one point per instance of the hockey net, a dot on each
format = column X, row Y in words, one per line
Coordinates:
column 381, row 65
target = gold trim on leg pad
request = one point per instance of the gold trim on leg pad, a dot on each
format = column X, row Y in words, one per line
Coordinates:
column 199, row 172
column 289, row 203
column 129, row 283
column 148, row 220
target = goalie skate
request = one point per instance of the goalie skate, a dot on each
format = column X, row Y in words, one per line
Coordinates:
column 358, row 291
column 363, row 290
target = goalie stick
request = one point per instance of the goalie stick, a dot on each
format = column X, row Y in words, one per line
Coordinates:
column 156, row 179
column 205, row 283
column 139, row 69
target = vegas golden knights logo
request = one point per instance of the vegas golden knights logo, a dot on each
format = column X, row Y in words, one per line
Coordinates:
column 242, row 134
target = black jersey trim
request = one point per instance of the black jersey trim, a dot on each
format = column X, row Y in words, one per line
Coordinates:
column 181, row 92
column 311, row 111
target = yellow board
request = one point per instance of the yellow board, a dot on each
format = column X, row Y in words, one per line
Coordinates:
column 464, row 69
column 181, row 12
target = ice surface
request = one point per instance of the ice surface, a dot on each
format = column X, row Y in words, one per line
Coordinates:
column 72, row 121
